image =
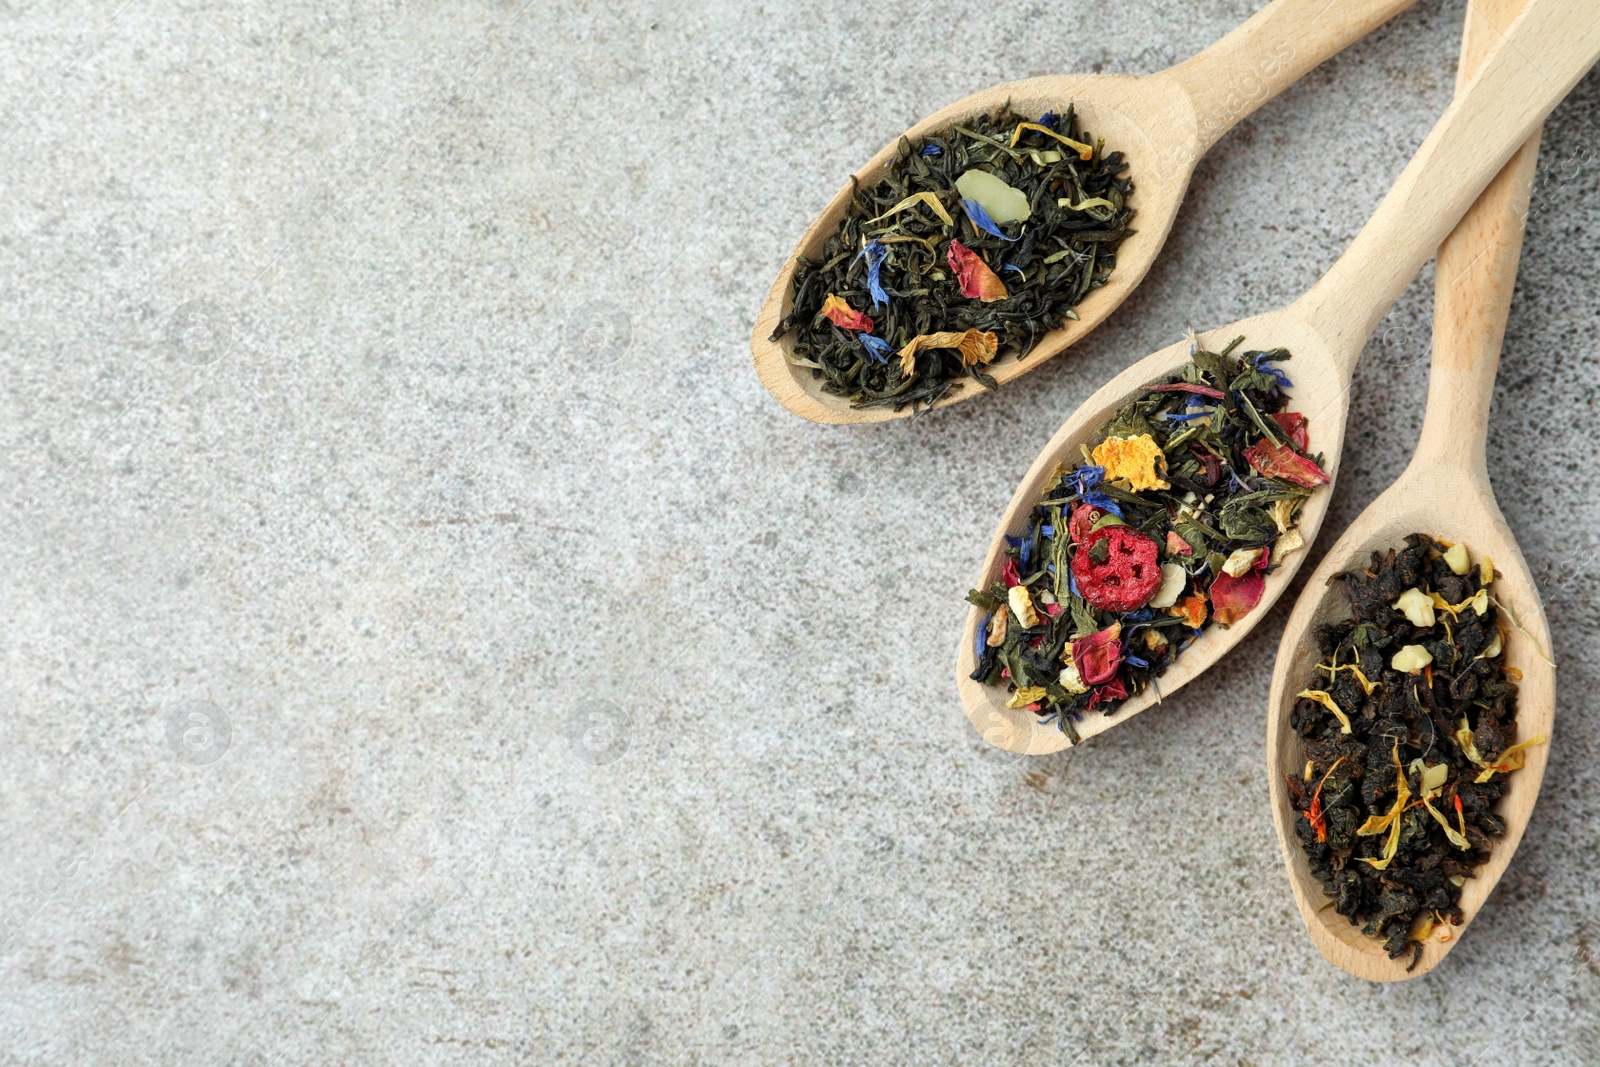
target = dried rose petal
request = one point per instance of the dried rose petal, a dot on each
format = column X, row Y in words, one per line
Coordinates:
column 976, row 279
column 1116, row 689
column 1281, row 461
column 1293, row 424
column 842, row 315
column 1177, row 546
column 1098, row 656
column 1233, row 598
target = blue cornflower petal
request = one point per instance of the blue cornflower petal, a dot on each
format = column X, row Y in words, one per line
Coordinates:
column 1133, row 661
column 983, row 635
column 1014, row 267
column 932, row 150
column 1085, row 479
column 1185, row 416
column 1262, row 363
column 980, row 218
column 875, row 253
column 1047, row 530
column 876, row 347
column 1052, row 120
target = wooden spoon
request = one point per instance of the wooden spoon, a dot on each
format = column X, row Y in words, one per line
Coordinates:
column 1541, row 57
column 1444, row 492
column 1163, row 122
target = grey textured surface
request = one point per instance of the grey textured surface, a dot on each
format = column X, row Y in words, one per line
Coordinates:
column 580, row 703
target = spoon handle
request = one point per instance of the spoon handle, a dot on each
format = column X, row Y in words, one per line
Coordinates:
column 1268, row 53
column 1542, row 56
column 1475, row 274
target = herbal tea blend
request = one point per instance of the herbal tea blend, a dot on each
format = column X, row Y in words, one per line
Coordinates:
column 1187, row 498
column 1408, row 728
column 975, row 243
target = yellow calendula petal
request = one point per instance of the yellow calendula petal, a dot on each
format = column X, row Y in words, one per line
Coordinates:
column 1085, row 204
column 912, row 201
column 1327, row 701
column 1376, row 824
column 1456, row 839
column 1084, row 151
column 1023, row 697
column 1467, row 743
column 1512, row 759
column 976, row 346
column 1138, row 459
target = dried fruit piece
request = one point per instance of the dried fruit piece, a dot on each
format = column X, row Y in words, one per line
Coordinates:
column 1138, row 459
column 1192, row 611
column 1416, row 606
column 1082, row 522
column 1455, row 557
column 1173, row 579
column 1022, row 606
column 1411, row 659
column 1000, row 201
column 1117, row 569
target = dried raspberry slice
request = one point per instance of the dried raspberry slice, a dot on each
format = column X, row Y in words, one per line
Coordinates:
column 1121, row 576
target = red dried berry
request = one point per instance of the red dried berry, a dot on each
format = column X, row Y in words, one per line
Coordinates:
column 1082, row 522
column 1126, row 576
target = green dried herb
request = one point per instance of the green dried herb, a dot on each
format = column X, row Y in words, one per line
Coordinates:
column 1401, row 781
column 1127, row 557
column 899, row 235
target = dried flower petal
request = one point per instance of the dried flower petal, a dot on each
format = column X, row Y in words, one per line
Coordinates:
column 1281, row 461
column 1293, row 425
column 842, row 315
column 977, row 281
column 975, row 346
column 1138, row 459
column 930, row 199
column 1098, row 656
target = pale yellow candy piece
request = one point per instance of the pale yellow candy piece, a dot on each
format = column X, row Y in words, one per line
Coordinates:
column 1022, row 606
column 1002, row 202
column 1417, row 606
column 1410, row 659
column 1173, row 579
column 1456, row 558
column 1240, row 560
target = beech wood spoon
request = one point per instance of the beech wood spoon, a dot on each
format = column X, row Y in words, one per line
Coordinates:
column 1539, row 59
column 1163, row 122
column 1445, row 493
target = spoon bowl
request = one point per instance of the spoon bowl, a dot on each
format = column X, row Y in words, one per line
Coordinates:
column 1457, row 508
column 1444, row 492
column 1135, row 116
column 1536, row 63
column 1321, row 392
column 1163, row 123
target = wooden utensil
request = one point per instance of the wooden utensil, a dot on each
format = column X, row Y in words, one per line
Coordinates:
column 1534, row 66
column 1444, row 492
column 1163, row 122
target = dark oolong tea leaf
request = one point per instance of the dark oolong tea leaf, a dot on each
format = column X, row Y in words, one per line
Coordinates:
column 1189, row 497
column 975, row 243
column 1409, row 729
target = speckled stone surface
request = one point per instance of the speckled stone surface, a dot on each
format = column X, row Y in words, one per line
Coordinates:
column 427, row 643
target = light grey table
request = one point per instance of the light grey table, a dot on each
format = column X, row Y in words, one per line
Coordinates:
column 426, row 643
